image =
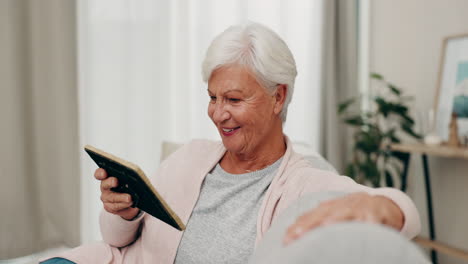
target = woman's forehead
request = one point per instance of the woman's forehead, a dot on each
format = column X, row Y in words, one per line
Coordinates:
column 233, row 79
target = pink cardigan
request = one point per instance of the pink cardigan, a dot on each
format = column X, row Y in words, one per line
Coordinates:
column 178, row 180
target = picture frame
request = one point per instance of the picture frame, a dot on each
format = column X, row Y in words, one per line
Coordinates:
column 452, row 90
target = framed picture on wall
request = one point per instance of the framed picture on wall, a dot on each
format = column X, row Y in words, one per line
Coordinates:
column 452, row 92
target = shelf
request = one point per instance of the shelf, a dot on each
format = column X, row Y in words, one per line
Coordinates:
column 441, row 151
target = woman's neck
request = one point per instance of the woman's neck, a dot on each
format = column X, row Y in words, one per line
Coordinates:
column 239, row 163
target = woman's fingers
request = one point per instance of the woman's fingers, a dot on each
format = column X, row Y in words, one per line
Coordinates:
column 109, row 183
column 306, row 222
column 114, row 197
column 358, row 206
column 115, row 202
column 116, row 207
column 100, row 174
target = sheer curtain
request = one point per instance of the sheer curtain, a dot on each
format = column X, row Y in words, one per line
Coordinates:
column 140, row 81
column 39, row 170
column 339, row 82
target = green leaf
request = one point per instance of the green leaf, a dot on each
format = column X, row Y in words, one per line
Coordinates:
column 408, row 128
column 398, row 109
column 350, row 171
column 382, row 106
column 387, row 108
column 388, row 179
column 368, row 141
column 401, row 156
column 354, row 121
column 408, row 119
column 394, row 139
column 344, row 105
column 376, row 76
column 394, row 89
column 390, row 133
column 370, row 170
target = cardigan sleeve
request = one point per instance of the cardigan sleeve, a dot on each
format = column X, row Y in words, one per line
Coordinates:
column 325, row 181
column 412, row 224
column 117, row 231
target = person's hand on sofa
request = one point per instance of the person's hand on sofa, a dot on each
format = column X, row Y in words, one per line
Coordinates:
column 114, row 202
column 353, row 207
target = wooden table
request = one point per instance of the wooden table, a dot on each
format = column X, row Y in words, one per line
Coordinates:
column 441, row 151
column 405, row 151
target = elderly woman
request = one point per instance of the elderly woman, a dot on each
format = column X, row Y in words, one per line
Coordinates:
column 228, row 193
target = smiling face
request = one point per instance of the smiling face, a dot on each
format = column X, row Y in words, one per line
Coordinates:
column 245, row 114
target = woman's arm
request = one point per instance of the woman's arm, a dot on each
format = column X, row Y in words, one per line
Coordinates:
column 361, row 207
column 119, row 221
column 117, row 231
column 386, row 206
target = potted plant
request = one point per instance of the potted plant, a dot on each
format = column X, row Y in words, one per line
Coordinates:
column 373, row 163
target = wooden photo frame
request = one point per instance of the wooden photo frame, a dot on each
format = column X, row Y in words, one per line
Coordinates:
column 452, row 91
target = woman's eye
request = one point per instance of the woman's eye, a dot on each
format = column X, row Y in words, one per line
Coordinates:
column 212, row 98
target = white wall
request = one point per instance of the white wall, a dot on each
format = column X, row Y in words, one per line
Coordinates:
column 406, row 40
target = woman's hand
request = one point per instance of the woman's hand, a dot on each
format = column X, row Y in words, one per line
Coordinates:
column 353, row 207
column 114, row 202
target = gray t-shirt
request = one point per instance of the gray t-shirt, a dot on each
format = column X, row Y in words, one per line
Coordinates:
column 222, row 227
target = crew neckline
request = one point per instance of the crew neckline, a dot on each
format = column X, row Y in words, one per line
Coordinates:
column 261, row 172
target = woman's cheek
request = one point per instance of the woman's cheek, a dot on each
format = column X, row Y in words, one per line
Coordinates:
column 241, row 114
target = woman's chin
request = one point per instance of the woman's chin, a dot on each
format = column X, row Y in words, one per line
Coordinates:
column 232, row 146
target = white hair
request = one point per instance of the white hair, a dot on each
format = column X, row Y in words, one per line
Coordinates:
column 258, row 48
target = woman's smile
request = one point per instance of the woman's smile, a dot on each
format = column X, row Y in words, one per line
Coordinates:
column 229, row 131
column 242, row 110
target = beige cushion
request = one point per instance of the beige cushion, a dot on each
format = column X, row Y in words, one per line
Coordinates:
column 167, row 148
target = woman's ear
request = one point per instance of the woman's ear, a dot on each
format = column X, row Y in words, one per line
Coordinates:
column 280, row 97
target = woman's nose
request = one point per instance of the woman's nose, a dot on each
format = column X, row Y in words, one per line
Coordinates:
column 220, row 113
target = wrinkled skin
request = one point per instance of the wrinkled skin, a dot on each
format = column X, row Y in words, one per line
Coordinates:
column 238, row 101
column 353, row 207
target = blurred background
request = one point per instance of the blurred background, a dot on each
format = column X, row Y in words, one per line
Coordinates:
column 125, row 76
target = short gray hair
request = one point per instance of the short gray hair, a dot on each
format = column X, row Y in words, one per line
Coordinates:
column 258, row 48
